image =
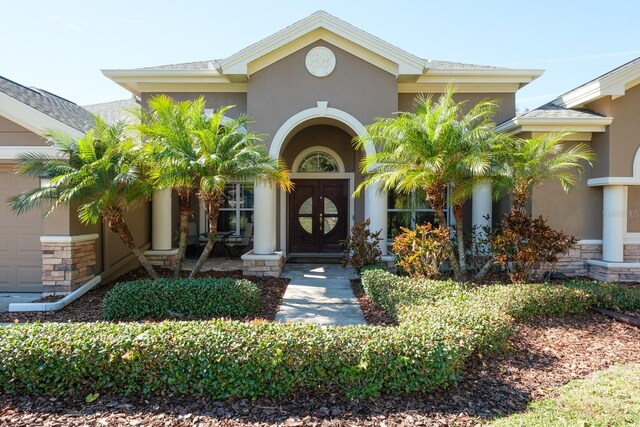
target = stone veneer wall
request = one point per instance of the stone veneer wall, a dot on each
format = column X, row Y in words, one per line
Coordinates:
column 68, row 262
column 267, row 267
column 574, row 263
column 166, row 259
column 614, row 274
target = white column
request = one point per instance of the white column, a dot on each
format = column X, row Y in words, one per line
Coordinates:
column 614, row 215
column 375, row 208
column 481, row 206
column 264, row 217
column 161, row 220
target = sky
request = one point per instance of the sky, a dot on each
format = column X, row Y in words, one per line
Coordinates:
column 62, row 45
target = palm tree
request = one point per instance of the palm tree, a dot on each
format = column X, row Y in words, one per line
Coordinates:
column 101, row 172
column 436, row 147
column 527, row 163
column 228, row 153
column 167, row 129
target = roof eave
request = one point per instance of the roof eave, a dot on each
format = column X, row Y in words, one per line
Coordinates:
column 614, row 84
column 521, row 77
column 547, row 124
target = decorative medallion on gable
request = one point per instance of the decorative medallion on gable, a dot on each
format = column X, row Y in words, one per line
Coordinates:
column 320, row 61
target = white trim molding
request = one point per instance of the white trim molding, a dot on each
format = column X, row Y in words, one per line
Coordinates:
column 590, row 242
column 620, row 180
column 315, row 149
column 614, row 83
column 632, row 238
column 599, row 263
column 321, row 110
column 583, row 126
column 68, row 239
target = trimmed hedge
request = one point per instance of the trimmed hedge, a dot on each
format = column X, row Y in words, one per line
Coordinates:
column 221, row 359
column 421, row 300
column 441, row 326
column 205, row 297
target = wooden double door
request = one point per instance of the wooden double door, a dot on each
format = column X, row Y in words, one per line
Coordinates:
column 318, row 215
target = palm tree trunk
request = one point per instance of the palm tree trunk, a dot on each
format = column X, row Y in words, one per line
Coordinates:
column 212, row 205
column 437, row 202
column 184, row 207
column 519, row 201
column 114, row 219
column 462, row 258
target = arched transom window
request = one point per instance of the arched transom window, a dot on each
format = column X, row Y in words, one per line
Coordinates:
column 318, row 161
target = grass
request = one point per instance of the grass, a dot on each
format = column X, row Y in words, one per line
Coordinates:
column 606, row 398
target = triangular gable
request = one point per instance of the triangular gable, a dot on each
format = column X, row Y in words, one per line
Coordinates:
column 321, row 25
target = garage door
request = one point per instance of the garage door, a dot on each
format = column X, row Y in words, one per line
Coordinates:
column 20, row 250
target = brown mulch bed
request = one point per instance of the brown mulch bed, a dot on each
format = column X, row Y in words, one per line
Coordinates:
column 88, row 307
column 372, row 314
column 545, row 354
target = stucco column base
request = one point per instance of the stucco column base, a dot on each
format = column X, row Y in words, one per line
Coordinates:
column 68, row 262
column 262, row 265
column 614, row 271
column 166, row 259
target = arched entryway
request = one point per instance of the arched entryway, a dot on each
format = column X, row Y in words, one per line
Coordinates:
column 271, row 238
column 321, row 209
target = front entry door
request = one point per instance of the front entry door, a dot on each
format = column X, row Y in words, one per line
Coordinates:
column 318, row 212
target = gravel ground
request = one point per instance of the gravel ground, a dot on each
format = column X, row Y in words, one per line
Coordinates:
column 545, row 354
column 88, row 307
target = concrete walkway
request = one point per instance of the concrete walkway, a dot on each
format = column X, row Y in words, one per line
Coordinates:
column 320, row 294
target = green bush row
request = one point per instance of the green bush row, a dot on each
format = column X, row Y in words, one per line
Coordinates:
column 204, row 297
column 221, row 358
column 423, row 299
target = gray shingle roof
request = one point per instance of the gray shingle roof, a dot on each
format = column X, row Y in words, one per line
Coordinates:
column 207, row 65
column 196, row 65
column 434, row 63
column 115, row 111
column 52, row 105
column 551, row 110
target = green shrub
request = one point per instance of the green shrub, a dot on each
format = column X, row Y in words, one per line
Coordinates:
column 204, row 297
column 411, row 300
column 221, row 358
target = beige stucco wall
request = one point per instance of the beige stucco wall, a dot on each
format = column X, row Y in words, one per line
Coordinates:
column 213, row 100
column 507, row 102
column 117, row 258
column 285, row 88
column 578, row 212
column 13, row 134
column 633, row 210
column 617, row 147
